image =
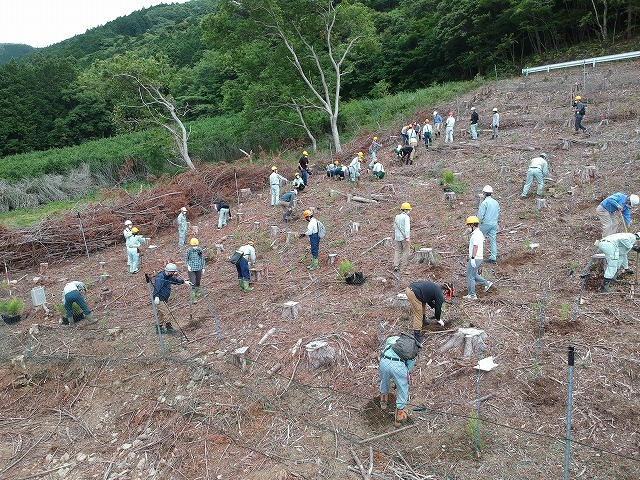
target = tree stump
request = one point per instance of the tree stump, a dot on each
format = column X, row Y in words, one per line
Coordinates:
column 541, row 203
column 239, row 216
column 245, row 193
column 472, row 340
column 219, row 248
column 291, row 236
column 105, row 294
column 386, row 241
column 196, row 229
column 349, row 196
column 274, row 230
column 320, row 354
column 588, row 173
column 256, row 226
column 260, row 196
column 449, row 196
column 256, row 274
column 504, row 169
column 291, row 309
column 355, row 226
column 401, row 301
column 239, row 357
column 425, row 255
column 331, row 258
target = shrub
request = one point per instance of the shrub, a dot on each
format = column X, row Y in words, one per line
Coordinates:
column 346, row 268
column 12, row 307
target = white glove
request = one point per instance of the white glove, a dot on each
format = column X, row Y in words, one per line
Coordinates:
column 473, row 262
column 188, row 282
column 188, row 268
column 203, row 270
column 156, row 300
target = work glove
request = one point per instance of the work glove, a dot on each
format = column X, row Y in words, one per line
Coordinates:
column 156, row 300
column 188, row 268
column 301, row 235
column 203, row 270
column 596, row 243
column 188, row 282
column 472, row 261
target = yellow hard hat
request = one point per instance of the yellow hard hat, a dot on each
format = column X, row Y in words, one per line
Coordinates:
column 251, row 243
column 375, row 138
column 336, row 162
column 360, row 154
column 426, row 120
column 134, row 230
column 578, row 98
column 472, row 219
column 405, row 206
column 305, row 153
column 307, row 214
column 194, row 241
column 274, row 168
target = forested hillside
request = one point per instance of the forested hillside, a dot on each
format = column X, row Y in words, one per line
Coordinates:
column 223, row 57
column 11, row 51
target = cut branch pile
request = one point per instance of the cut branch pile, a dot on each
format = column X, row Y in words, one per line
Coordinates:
column 61, row 237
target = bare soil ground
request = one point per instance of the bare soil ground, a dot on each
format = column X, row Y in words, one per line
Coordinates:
column 100, row 401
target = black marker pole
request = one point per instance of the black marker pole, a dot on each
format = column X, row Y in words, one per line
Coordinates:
column 567, row 446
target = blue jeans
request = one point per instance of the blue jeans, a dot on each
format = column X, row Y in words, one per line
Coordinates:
column 389, row 369
column 222, row 219
column 473, row 277
column 243, row 269
column 315, row 245
column 489, row 231
column 579, row 125
column 533, row 172
column 75, row 297
column 304, row 175
column 134, row 257
column 181, row 234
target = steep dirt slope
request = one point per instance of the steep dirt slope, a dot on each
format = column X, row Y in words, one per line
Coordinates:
column 100, row 402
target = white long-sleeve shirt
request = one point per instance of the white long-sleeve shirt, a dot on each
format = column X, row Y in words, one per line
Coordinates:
column 275, row 178
column 377, row 167
column 451, row 121
column 71, row 286
column 402, row 227
column 249, row 252
column 312, row 227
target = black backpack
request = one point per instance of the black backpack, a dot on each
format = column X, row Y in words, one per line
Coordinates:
column 406, row 347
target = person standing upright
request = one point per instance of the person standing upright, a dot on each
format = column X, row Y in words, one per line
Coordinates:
column 474, row 123
column 403, row 134
column 195, row 262
column 162, row 292
column 313, row 232
column 274, row 182
column 427, row 133
column 579, row 111
column 373, row 151
column 474, row 260
column 133, row 249
column 437, row 123
column 488, row 214
column 355, row 167
column 128, row 224
column 223, row 209
column 449, row 125
column 608, row 210
column 495, row 123
column 538, row 170
column 182, row 226
column 303, row 165
column 402, row 235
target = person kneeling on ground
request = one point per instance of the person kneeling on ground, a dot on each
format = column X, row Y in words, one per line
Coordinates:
column 378, row 169
column 616, row 247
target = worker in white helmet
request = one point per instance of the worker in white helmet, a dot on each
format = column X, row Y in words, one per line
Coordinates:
column 608, row 210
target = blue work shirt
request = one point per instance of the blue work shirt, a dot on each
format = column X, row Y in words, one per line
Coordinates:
column 387, row 351
column 489, row 211
column 613, row 202
column 162, row 285
column 287, row 197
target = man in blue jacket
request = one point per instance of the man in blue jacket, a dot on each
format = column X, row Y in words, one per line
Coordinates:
column 162, row 292
column 608, row 210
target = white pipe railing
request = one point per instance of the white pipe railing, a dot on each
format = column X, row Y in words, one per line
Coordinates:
column 579, row 63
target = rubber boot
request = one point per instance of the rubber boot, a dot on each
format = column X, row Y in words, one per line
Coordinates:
column 193, row 295
column 245, row 286
column 401, row 417
column 90, row 320
column 69, row 321
column 606, row 287
column 314, row 264
column 384, row 401
column 241, row 283
column 417, row 334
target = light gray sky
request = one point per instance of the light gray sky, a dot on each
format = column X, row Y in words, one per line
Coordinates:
column 41, row 23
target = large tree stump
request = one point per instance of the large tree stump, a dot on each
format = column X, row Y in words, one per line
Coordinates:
column 588, row 173
column 449, row 196
column 239, row 357
column 401, row 301
column 256, row 274
column 274, row 230
column 245, row 193
column 472, row 340
column 290, row 309
column 331, row 258
column 425, row 255
column 320, row 354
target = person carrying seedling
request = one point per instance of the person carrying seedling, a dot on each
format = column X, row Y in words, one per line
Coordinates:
column 71, row 294
column 195, row 262
column 397, row 359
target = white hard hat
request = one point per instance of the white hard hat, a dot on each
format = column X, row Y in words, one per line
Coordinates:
column 543, row 155
column 495, row 109
column 473, row 108
column 171, row 267
column 634, row 200
column 487, row 189
column 128, row 222
column 183, row 209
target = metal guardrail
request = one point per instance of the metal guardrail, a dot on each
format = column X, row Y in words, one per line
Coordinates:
column 578, row 63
